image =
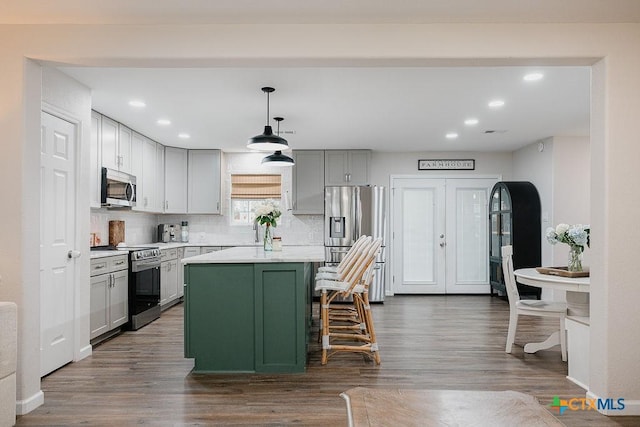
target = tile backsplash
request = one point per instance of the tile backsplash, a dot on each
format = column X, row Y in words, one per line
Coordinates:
column 140, row 228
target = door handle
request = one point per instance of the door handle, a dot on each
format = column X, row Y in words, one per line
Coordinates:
column 73, row 254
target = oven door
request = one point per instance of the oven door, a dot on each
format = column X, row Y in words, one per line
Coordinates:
column 145, row 288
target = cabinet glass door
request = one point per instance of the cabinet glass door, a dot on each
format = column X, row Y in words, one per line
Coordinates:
column 495, row 235
column 505, row 223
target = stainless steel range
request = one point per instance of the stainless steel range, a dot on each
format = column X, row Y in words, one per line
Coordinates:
column 144, row 286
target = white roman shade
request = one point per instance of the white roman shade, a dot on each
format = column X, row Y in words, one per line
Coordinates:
column 256, row 186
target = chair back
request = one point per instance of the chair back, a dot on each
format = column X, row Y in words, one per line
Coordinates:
column 509, row 278
column 353, row 251
column 365, row 263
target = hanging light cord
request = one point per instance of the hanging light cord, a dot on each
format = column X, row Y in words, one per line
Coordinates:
column 267, row 108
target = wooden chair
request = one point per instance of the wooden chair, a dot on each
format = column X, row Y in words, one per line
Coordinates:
column 355, row 284
column 519, row 307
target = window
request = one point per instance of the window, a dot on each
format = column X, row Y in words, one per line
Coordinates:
column 248, row 191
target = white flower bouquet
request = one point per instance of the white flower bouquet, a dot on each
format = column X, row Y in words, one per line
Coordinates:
column 576, row 236
column 267, row 213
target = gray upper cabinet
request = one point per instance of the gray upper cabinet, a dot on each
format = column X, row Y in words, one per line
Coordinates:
column 308, row 182
column 204, row 182
column 175, row 180
column 346, row 167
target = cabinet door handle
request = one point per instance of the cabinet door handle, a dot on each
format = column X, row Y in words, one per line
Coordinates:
column 218, row 206
column 346, row 177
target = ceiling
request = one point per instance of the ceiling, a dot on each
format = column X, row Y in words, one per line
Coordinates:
column 325, row 11
column 382, row 108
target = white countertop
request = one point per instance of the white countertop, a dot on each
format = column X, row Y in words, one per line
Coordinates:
column 251, row 255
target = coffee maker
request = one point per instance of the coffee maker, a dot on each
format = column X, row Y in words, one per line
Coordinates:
column 168, row 233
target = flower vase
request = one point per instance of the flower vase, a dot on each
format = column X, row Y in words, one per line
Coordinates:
column 268, row 238
column 575, row 258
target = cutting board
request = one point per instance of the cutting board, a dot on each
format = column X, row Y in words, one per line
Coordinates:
column 116, row 232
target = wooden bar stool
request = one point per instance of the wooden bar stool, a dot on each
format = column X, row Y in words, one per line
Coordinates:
column 355, row 284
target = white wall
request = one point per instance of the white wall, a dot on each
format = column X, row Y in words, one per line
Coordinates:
column 611, row 48
column 571, row 189
column 560, row 173
column 384, row 164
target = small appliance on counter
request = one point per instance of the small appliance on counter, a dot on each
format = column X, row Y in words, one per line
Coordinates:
column 184, row 235
column 168, row 233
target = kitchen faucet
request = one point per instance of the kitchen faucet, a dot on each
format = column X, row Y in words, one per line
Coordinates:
column 255, row 228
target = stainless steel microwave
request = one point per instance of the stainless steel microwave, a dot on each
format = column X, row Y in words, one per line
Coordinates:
column 118, row 189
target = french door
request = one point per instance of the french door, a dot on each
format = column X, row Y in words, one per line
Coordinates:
column 440, row 235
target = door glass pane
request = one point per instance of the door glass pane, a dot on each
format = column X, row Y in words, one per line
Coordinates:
column 471, row 235
column 418, row 236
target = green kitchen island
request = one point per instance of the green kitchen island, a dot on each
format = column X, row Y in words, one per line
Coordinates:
column 249, row 310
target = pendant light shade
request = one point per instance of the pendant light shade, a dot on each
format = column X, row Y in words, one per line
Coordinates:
column 277, row 158
column 267, row 141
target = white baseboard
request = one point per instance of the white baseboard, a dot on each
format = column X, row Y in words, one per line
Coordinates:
column 631, row 407
column 84, row 352
column 27, row 405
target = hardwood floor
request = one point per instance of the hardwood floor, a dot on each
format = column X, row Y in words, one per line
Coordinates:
column 426, row 342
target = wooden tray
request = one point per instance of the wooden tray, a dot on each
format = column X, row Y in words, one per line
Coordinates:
column 561, row 271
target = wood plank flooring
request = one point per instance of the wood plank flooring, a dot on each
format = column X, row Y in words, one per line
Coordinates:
column 426, row 342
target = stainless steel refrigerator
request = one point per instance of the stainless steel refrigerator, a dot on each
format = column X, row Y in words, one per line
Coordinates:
column 351, row 211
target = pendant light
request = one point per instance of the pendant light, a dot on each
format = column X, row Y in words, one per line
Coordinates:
column 277, row 158
column 267, row 141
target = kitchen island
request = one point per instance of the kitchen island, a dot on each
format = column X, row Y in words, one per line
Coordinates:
column 249, row 310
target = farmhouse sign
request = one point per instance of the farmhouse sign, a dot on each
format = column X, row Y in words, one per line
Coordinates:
column 446, row 164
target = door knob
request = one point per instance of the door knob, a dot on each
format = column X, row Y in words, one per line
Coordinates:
column 442, row 244
column 442, row 236
column 73, row 254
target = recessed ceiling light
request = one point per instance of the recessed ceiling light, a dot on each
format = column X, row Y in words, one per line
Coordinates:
column 532, row 77
column 496, row 103
column 471, row 122
column 184, row 135
column 163, row 122
column 137, row 103
column 451, row 135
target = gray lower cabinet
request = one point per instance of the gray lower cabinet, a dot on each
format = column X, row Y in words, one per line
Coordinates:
column 347, row 167
column 169, row 273
column 308, row 182
column 109, row 299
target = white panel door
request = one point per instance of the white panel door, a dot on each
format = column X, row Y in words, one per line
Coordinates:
column 57, row 223
column 419, row 223
column 440, row 232
column 467, row 245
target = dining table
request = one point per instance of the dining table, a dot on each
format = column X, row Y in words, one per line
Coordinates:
column 577, row 322
column 577, row 295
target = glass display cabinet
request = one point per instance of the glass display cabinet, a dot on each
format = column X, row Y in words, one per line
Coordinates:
column 514, row 219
